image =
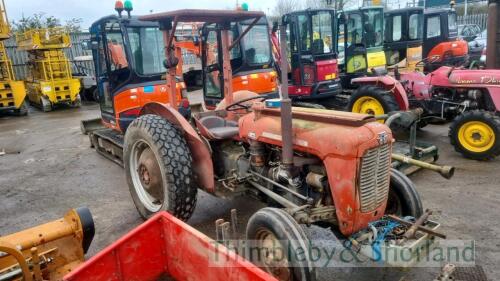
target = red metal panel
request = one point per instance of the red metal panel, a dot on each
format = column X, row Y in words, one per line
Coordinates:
column 165, row 246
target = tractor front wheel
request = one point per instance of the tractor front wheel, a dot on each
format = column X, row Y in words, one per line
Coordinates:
column 476, row 135
column 403, row 197
column 158, row 166
column 372, row 100
column 274, row 240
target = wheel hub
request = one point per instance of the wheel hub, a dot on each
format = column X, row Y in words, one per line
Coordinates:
column 476, row 136
column 150, row 173
column 274, row 257
column 368, row 105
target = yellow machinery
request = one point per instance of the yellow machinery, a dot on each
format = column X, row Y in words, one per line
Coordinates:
column 48, row 251
column 51, row 80
column 12, row 92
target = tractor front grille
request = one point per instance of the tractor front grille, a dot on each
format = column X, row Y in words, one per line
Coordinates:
column 373, row 184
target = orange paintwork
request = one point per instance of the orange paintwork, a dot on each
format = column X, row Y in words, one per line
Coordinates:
column 457, row 48
column 136, row 98
column 60, row 240
column 260, row 83
column 340, row 151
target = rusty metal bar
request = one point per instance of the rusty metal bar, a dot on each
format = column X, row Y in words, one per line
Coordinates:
column 286, row 106
column 420, row 227
column 226, row 65
column 280, row 186
column 278, row 198
column 238, row 39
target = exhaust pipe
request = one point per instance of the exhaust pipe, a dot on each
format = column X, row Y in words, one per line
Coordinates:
column 445, row 171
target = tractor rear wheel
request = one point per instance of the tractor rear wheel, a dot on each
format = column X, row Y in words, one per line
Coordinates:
column 403, row 199
column 476, row 134
column 158, row 166
column 271, row 233
column 372, row 100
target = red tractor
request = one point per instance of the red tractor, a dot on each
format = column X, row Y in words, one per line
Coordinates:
column 471, row 98
column 322, row 167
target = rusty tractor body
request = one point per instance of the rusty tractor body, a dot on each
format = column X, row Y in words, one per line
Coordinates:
column 48, row 251
column 471, row 98
column 252, row 145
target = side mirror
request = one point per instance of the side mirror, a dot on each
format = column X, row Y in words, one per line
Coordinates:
column 172, row 62
column 275, row 27
column 213, row 67
column 342, row 19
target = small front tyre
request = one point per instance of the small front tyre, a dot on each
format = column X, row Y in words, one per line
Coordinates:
column 403, row 199
column 271, row 234
column 158, row 166
column 476, row 134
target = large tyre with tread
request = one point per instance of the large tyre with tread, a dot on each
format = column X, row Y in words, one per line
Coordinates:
column 270, row 226
column 476, row 134
column 158, row 166
column 403, row 199
column 372, row 100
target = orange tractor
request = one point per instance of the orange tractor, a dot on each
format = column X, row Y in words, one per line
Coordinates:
column 261, row 147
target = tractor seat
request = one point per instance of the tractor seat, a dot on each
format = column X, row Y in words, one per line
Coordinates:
column 215, row 127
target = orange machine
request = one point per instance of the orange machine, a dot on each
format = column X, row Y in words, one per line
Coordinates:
column 48, row 251
column 251, row 56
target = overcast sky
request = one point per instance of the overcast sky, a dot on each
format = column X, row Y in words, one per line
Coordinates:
column 91, row 10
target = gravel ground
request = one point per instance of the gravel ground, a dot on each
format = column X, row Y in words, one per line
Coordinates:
column 49, row 168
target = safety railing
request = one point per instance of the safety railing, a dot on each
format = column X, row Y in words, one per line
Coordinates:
column 42, row 39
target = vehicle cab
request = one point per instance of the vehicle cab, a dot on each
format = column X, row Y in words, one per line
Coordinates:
column 129, row 62
column 404, row 38
column 364, row 43
column 442, row 45
column 313, row 54
column 250, row 55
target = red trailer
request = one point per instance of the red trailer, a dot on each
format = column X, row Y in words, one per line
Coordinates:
column 165, row 248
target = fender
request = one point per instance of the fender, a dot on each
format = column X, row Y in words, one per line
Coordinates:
column 202, row 160
column 389, row 84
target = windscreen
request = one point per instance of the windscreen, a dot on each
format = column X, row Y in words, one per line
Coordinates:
column 373, row 20
column 322, row 33
column 452, row 22
column 256, row 44
column 415, row 26
column 146, row 45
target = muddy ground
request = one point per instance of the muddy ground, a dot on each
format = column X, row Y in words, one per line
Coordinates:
column 49, row 168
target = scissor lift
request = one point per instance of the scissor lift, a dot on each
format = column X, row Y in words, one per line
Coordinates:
column 12, row 92
column 51, row 81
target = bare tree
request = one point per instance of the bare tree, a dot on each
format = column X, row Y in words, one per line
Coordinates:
column 286, row 6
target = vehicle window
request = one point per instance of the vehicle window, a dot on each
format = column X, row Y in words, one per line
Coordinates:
column 116, row 51
column 304, row 33
column 373, row 27
column 146, row 45
column 416, row 29
column 322, row 33
column 396, row 28
column 256, row 45
column 452, row 21
column 354, row 30
column 433, row 27
column 101, row 57
column 212, row 78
